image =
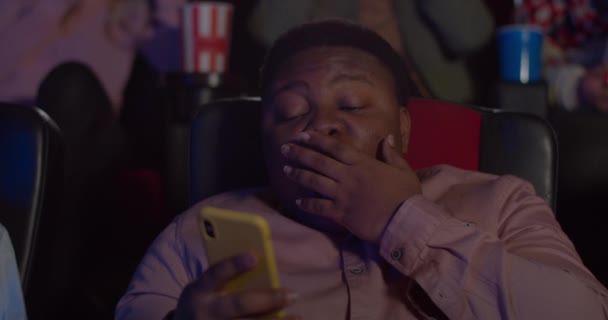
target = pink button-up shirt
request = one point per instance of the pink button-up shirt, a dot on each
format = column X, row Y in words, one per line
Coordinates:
column 480, row 247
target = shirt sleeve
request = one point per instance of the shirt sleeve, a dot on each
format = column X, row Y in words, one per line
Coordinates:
column 524, row 267
column 158, row 281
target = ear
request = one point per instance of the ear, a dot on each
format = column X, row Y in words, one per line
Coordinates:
column 405, row 126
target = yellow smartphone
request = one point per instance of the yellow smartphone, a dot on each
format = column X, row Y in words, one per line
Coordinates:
column 227, row 233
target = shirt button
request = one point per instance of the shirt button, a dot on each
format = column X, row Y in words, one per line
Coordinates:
column 396, row 254
column 356, row 270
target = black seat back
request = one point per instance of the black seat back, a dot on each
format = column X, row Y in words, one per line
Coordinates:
column 226, row 138
column 523, row 145
column 31, row 181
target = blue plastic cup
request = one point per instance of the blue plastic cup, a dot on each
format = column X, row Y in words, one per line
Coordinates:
column 520, row 50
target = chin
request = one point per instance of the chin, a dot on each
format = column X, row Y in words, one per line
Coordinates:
column 287, row 192
column 312, row 220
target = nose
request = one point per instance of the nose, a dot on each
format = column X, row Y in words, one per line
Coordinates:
column 326, row 122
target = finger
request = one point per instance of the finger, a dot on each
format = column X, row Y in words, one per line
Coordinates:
column 330, row 146
column 220, row 273
column 309, row 158
column 390, row 155
column 321, row 207
column 312, row 181
column 252, row 302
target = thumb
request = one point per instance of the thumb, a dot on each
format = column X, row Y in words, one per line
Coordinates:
column 390, row 155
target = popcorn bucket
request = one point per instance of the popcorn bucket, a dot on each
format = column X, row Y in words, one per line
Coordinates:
column 206, row 29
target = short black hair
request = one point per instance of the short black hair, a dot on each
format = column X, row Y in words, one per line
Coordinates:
column 334, row 33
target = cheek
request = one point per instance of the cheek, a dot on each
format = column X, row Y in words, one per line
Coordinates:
column 276, row 134
column 285, row 188
column 282, row 135
column 367, row 138
column 274, row 138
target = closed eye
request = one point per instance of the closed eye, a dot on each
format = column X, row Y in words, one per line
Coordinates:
column 287, row 118
column 350, row 108
column 291, row 118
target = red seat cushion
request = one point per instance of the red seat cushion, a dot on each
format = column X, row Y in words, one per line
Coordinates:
column 443, row 133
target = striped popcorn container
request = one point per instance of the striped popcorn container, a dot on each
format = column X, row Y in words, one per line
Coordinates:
column 206, row 28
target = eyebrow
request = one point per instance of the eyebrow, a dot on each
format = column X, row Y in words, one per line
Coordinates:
column 352, row 77
column 289, row 86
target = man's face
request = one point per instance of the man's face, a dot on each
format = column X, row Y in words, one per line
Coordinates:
column 342, row 92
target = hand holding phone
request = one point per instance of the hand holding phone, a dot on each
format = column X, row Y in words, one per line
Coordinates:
column 242, row 280
column 228, row 233
column 204, row 297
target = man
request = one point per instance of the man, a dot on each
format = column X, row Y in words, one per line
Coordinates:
column 11, row 297
column 357, row 234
